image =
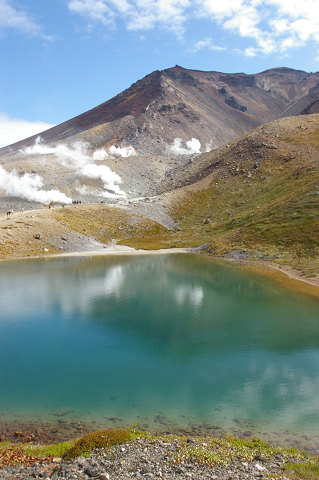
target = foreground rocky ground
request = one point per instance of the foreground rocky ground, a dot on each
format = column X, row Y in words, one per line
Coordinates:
column 165, row 458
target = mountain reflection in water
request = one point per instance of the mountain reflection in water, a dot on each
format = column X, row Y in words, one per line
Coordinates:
column 137, row 336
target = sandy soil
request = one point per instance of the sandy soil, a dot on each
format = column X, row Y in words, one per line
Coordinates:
column 121, row 250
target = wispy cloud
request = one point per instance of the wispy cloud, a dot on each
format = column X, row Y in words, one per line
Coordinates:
column 137, row 14
column 96, row 10
column 12, row 129
column 207, row 43
column 271, row 25
column 13, row 17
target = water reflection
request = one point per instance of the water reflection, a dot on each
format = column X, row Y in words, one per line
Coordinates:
column 189, row 294
column 181, row 304
column 173, row 334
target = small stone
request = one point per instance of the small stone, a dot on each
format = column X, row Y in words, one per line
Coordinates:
column 260, row 468
column 37, row 236
column 104, row 476
column 180, row 470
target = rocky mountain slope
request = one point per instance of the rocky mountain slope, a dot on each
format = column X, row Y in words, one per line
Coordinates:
column 128, row 147
column 212, row 107
column 305, row 105
column 256, row 197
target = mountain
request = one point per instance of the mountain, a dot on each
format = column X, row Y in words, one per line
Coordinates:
column 255, row 194
column 212, row 107
column 255, row 197
column 309, row 103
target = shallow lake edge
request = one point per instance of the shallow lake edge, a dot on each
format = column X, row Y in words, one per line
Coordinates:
column 283, row 274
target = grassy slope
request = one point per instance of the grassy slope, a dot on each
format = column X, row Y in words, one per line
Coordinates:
column 105, row 223
column 270, row 210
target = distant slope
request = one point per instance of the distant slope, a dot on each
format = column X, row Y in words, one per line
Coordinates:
column 257, row 197
column 212, row 107
column 305, row 105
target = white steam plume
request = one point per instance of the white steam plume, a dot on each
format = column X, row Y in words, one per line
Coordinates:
column 77, row 158
column 122, row 151
column 100, row 155
column 28, row 187
column 84, row 190
column 209, row 146
column 192, row 146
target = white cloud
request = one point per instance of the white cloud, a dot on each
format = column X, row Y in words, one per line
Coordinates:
column 12, row 17
column 207, row 43
column 137, row 14
column 250, row 52
column 12, row 129
column 96, row 10
column 273, row 25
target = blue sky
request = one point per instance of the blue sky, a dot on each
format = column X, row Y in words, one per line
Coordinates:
column 61, row 57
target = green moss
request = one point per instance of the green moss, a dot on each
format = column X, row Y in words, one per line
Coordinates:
column 53, row 450
column 222, row 451
column 306, row 470
column 100, row 439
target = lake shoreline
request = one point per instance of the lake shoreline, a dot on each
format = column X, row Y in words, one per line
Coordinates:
column 282, row 273
column 61, row 429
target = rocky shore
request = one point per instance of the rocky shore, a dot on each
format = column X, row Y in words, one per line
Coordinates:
column 164, row 458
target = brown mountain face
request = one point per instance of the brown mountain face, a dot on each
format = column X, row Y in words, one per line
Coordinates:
column 305, row 105
column 212, row 107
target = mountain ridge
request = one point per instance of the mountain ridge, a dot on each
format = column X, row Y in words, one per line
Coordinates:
column 213, row 107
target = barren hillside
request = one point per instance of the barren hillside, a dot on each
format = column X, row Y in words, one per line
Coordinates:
column 212, row 107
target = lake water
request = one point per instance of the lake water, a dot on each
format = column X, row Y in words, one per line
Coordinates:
column 165, row 341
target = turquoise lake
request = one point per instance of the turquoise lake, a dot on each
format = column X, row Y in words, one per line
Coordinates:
column 162, row 341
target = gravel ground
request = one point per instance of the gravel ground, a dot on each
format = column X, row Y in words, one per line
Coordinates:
column 148, row 460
